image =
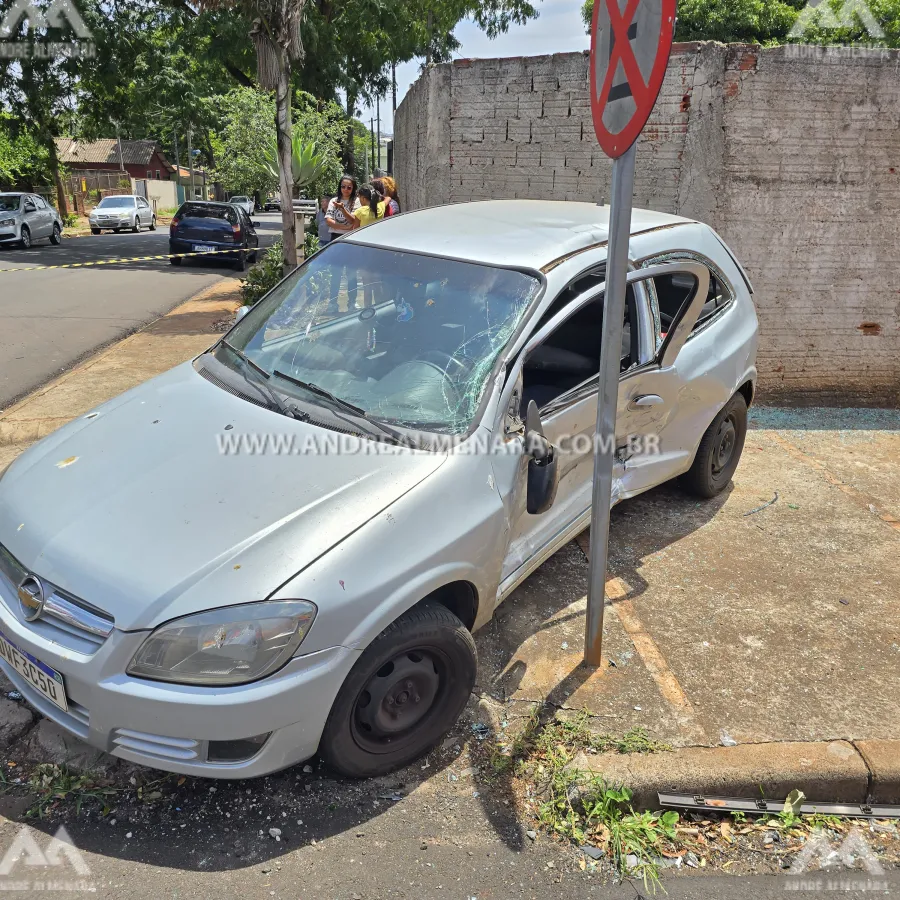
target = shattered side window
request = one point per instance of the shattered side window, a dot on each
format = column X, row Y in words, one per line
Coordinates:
column 410, row 339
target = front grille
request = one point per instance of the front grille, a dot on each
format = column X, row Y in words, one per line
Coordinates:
column 65, row 620
column 76, row 719
column 156, row 745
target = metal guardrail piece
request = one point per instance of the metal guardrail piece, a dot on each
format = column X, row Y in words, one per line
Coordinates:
column 736, row 804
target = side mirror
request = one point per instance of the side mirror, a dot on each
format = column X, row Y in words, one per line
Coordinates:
column 255, row 224
column 241, row 312
column 543, row 469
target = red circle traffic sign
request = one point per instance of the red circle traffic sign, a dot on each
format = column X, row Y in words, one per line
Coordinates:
column 630, row 45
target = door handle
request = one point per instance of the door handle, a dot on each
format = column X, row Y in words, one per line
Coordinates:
column 644, row 400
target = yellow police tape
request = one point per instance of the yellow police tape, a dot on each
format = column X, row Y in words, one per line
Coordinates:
column 106, row 262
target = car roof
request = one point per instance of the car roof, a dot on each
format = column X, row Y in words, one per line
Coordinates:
column 519, row 233
column 208, row 203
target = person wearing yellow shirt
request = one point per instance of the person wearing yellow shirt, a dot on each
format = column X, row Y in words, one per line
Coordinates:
column 372, row 206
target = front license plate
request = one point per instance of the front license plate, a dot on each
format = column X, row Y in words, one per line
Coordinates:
column 46, row 681
column 203, row 248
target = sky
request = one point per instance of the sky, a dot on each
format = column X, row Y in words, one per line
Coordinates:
column 558, row 29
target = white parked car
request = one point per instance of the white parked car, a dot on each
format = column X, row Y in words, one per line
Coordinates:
column 284, row 545
column 122, row 211
column 26, row 218
column 245, row 203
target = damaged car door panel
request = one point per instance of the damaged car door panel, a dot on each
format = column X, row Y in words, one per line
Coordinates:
column 435, row 432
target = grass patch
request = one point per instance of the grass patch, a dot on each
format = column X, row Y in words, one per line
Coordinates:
column 53, row 784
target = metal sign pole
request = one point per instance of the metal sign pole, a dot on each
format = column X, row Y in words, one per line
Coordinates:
column 622, row 193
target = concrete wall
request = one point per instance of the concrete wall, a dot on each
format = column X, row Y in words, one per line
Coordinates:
column 792, row 154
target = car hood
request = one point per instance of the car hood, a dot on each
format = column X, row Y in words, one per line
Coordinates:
column 135, row 509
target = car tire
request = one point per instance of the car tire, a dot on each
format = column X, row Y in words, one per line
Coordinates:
column 25, row 238
column 153, row 223
column 719, row 451
column 241, row 262
column 176, row 260
column 56, row 235
column 425, row 655
column 137, row 225
column 95, row 231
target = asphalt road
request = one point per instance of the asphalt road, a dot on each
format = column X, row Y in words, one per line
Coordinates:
column 50, row 319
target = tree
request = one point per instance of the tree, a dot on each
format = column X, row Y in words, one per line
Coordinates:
column 275, row 32
column 248, row 126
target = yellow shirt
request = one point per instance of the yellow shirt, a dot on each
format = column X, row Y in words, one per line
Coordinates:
column 366, row 216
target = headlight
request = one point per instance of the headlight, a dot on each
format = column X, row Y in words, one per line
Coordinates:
column 232, row 645
column 7, row 223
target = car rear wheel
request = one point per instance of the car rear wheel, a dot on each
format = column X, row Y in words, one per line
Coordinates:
column 56, row 236
column 176, row 260
column 241, row 263
column 404, row 693
column 719, row 451
column 25, row 237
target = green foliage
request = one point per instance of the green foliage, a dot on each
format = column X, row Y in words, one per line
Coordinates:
column 306, row 162
column 771, row 21
column 310, row 244
column 248, row 125
column 52, row 784
column 22, row 160
column 70, row 220
column 264, row 275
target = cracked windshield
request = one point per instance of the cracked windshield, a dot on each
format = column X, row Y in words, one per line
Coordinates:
column 409, row 339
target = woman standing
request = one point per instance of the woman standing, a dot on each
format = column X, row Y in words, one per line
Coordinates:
column 339, row 217
column 390, row 193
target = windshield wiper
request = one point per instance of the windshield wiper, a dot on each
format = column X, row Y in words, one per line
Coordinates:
column 345, row 404
column 315, row 389
column 262, row 385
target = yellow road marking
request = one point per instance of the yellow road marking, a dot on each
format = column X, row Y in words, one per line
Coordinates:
column 870, row 504
column 655, row 663
column 120, row 259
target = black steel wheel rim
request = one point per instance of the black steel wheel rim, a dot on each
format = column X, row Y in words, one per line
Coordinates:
column 405, row 694
column 724, row 444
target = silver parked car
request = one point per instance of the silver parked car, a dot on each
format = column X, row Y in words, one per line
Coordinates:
column 26, row 218
column 244, row 202
column 122, row 211
column 284, row 545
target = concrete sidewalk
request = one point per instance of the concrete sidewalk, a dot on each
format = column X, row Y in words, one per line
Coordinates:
column 728, row 625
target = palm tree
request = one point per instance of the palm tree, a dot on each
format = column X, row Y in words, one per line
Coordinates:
column 276, row 36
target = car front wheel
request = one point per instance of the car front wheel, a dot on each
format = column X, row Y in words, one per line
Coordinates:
column 137, row 225
column 404, row 693
column 25, row 237
column 153, row 224
column 719, row 451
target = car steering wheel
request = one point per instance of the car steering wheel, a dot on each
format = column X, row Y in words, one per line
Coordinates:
column 453, row 368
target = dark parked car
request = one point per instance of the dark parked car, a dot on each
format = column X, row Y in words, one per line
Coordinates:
column 272, row 203
column 202, row 227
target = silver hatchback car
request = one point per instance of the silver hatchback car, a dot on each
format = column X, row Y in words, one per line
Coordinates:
column 26, row 218
column 284, row 545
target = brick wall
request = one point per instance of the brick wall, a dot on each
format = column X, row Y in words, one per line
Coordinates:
column 792, row 154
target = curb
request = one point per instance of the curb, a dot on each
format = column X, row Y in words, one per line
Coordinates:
column 826, row 771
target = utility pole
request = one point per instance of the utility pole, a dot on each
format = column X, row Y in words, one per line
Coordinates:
column 372, row 132
column 121, row 157
column 394, row 84
column 177, row 162
column 190, row 135
column 378, row 132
